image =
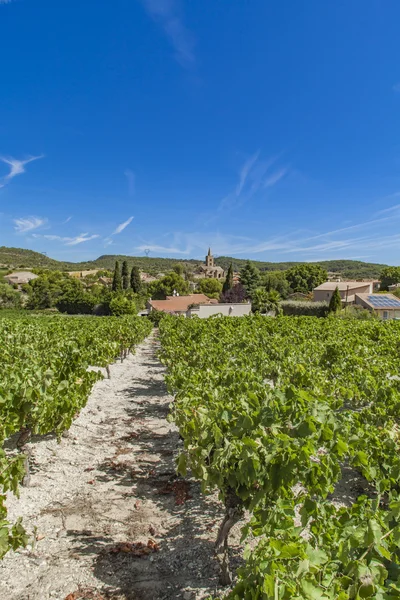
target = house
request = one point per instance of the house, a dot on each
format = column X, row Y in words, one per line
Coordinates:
column 178, row 305
column 105, row 280
column 334, row 276
column 203, row 311
column 236, row 278
column 147, row 278
column 386, row 306
column 210, row 270
column 20, row 278
column 394, row 287
column 82, row 274
column 347, row 290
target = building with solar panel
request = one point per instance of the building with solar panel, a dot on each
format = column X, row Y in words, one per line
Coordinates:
column 386, row 306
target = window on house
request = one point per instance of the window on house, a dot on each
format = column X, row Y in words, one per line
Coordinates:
column 385, row 315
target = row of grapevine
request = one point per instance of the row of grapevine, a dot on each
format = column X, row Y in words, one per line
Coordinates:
column 45, row 382
column 272, row 413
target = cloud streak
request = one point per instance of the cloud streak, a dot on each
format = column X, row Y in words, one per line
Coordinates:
column 24, row 225
column 168, row 15
column 156, row 248
column 254, row 176
column 68, row 241
column 122, row 226
column 17, row 167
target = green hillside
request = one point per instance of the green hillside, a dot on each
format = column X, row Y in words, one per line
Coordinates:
column 14, row 258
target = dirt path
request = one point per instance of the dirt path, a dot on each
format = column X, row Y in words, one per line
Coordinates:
column 111, row 484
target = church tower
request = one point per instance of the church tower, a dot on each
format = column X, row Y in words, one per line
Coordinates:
column 209, row 259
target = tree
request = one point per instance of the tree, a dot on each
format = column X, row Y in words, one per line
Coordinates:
column 121, row 305
column 335, row 303
column 136, row 281
column 9, row 298
column 304, row 278
column 179, row 269
column 40, row 295
column 210, row 287
column 276, row 280
column 116, row 284
column 235, row 295
column 249, row 278
column 389, row 276
column 228, row 283
column 167, row 285
column 125, row 275
column 74, row 299
column 264, row 302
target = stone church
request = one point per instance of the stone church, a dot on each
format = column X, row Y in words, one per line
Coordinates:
column 210, row 270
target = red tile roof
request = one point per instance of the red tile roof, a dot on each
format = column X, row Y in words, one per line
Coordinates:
column 180, row 303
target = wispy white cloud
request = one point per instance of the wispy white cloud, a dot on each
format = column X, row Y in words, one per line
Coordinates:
column 156, row 248
column 254, row 175
column 68, row 241
column 122, row 226
column 107, row 242
column 131, row 177
column 67, row 220
column 26, row 224
column 168, row 14
column 6, row 1
column 244, row 172
column 17, row 167
column 275, row 177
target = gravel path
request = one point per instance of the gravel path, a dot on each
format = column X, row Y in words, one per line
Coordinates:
column 107, row 487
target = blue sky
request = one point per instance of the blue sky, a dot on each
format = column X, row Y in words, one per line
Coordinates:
column 266, row 129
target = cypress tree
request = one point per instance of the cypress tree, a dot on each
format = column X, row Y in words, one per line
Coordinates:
column 116, row 284
column 136, row 282
column 125, row 275
column 335, row 303
column 228, row 283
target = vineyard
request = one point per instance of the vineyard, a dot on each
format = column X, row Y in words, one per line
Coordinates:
column 46, row 381
column 273, row 414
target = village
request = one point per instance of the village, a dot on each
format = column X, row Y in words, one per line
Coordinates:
column 208, row 290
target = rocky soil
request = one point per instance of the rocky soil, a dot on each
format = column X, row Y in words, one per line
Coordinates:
column 107, row 516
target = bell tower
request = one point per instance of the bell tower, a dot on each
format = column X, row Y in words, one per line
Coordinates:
column 209, row 259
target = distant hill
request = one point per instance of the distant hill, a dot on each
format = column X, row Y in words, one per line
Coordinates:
column 20, row 258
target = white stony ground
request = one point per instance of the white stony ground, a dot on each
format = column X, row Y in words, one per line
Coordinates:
column 112, row 481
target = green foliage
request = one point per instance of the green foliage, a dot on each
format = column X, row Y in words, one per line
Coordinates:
column 228, row 283
column 265, row 302
column 389, row 276
column 304, row 278
column 40, row 294
column 121, row 305
column 116, row 282
column 125, row 275
column 166, row 286
column 179, row 269
column 276, row 280
column 45, row 382
column 9, row 298
column 136, row 282
column 250, row 278
column 156, row 316
column 270, row 410
column 74, row 299
column 210, row 287
column 357, row 312
column 301, row 308
column 335, row 303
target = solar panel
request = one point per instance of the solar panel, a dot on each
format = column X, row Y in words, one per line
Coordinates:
column 384, row 302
